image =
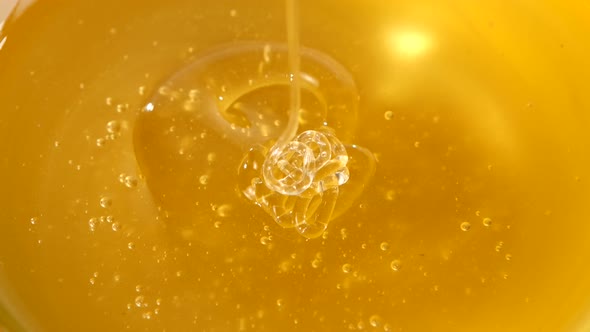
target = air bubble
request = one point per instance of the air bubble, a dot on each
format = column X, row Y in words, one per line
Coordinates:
column 130, row 181
column 223, row 210
column 204, row 179
column 346, row 268
column 113, row 127
column 465, row 226
column 487, row 222
column 375, row 321
column 116, row 226
column 396, row 265
column 139, row 301
column 106, row 202
column 388, row 115
column 315, row 263
column 384, row 246
column 100, row 142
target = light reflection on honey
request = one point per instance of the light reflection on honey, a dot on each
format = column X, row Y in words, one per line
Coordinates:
column 475, row 218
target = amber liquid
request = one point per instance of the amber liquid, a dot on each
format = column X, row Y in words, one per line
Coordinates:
column 475, row 220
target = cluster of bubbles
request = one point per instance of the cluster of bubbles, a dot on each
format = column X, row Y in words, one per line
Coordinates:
column 94, row 222
column 130, row 181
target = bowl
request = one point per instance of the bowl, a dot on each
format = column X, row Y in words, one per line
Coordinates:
column 134, row 136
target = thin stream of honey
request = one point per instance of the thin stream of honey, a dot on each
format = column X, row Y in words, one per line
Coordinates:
column 293, row 43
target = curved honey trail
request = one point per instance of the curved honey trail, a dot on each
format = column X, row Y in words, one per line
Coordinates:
column 211, row 99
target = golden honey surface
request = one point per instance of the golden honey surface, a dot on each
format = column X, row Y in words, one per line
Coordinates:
column 476, row 218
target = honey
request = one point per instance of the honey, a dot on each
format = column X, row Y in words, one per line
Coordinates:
column 472, row 216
